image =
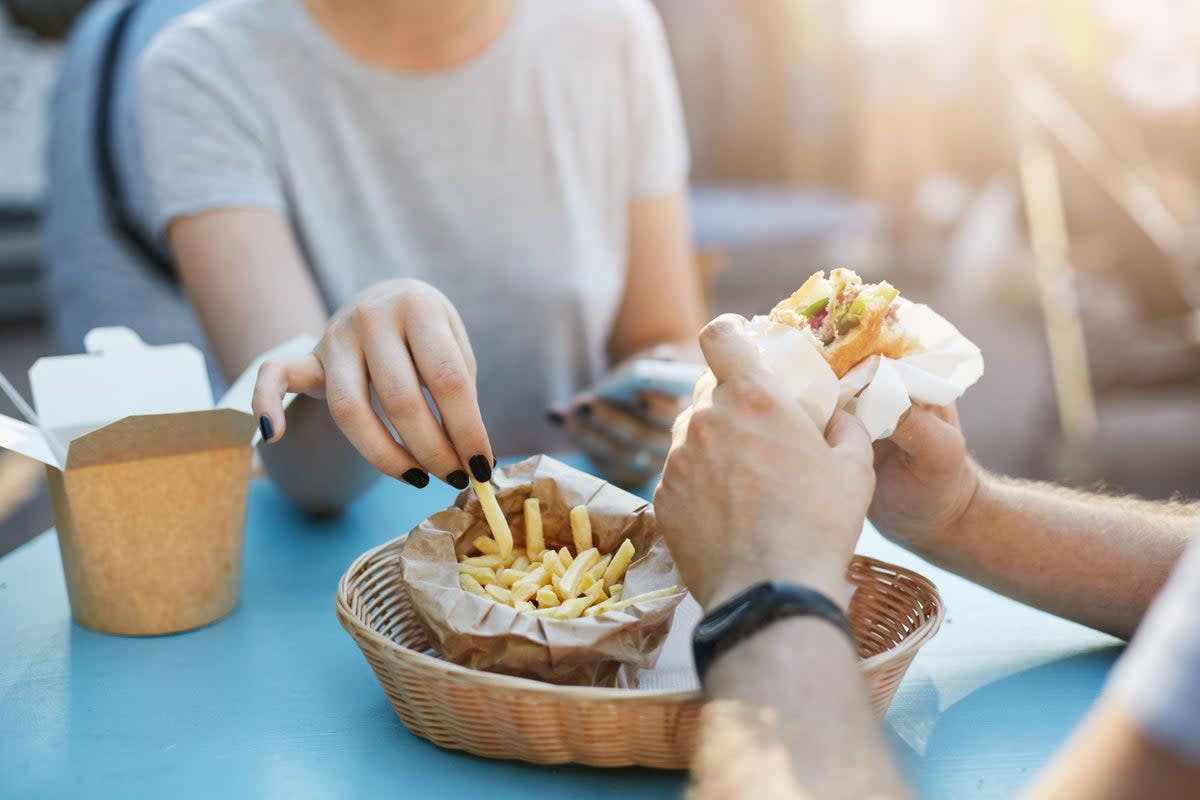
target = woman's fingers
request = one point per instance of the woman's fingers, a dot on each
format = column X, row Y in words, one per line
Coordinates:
column 464, row 341
column 443, row 369
column 278, row 376
column 627, row 448
column 658, row 408
column 349, row 400
column 394, row 379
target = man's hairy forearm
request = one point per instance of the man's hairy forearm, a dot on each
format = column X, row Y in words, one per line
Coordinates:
column 314, row 464
column 1096, row 559
column 788, row 718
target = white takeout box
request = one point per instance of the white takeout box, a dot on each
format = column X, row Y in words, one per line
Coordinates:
column 148, row 478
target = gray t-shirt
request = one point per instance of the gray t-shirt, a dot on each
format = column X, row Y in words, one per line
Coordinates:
column 1158, row 679
column 504, row 182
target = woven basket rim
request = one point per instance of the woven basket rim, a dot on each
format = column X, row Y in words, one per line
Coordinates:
column 923, row 632
column 357, row 628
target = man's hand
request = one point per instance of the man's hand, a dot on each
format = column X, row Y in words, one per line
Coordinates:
column 752, row 490
column 925, row 480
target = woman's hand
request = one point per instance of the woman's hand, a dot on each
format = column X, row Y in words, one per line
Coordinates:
column 628, row 443
column 389, row 342
column 753, row 490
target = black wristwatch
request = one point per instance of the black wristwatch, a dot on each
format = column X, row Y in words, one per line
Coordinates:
column 754, row 609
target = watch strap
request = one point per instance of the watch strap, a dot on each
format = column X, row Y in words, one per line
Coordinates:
column 754, row 609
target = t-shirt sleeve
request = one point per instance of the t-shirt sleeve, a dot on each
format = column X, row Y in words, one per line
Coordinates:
column 1158, row 679
column 204, row 144
column 658, row 139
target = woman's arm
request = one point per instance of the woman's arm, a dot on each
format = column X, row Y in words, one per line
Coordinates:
column 663, row 301
column 248, row 281
column 252, row 291
column 659, row 317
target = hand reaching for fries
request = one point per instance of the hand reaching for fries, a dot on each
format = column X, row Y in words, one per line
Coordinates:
column 544, row 582
column 752, row 489
column 389, row 342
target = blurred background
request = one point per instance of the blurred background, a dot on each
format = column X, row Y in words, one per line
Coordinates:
column 1031, row 169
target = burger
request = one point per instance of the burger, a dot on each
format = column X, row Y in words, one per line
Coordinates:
column 846, row 320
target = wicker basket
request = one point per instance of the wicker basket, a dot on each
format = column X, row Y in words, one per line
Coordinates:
column 894, row 612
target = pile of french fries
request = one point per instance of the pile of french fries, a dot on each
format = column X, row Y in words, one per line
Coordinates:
column 542, row 582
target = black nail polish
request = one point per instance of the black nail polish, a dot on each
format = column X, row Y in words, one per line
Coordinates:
column 643, row 404
column 268, row 430
column 584, row 410
column 555, row 418
column 458, row 479
column 480, row 468
column 417, row 478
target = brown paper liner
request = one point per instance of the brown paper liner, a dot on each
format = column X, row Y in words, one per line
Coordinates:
column 482, row 634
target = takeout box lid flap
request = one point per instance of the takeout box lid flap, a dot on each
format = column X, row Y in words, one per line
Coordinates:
column 161, row 435
column 120, row 376
column 23, row 438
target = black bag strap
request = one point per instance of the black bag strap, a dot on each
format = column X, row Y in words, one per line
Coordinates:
column 119, row 216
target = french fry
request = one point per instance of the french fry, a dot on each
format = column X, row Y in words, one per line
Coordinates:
column 547, row 598
column 528, row 586
column 499, row 592
column 521, row 562
column 534, row 543
column 587, row 582
column 595, row 593
column 523, row 606
column 571, row 608
column 512, row 557
column 488, row 562
column 597, row 570
column 572, row 579
column 486, row 545
column 643, row 598
column 564, row 555
column 616, row 590
column 495, row 517
column 510, row 576
column 469, row 584
column 553, row 563
column 581, row 528
column 543, row 612
column 620, row 562
column 482, row 574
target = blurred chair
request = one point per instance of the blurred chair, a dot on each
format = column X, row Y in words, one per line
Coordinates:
column 1130, row 427
column 101, row 267
column 766, row 127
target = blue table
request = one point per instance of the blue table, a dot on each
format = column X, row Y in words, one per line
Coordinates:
column 276, row 701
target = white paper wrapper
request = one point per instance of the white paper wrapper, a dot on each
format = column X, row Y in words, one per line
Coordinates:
column 879, row 390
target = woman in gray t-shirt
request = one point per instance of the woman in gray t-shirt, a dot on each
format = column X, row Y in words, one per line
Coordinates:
column 484, row 198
